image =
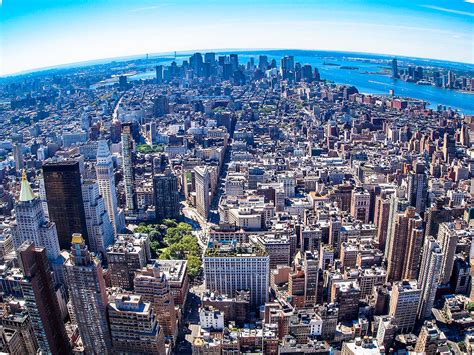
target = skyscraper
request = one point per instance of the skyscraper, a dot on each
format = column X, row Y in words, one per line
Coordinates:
column 165, row 187
column 404, row 300
column 405, row 246
column 127, row 167
column 133, row 325
column 429, row 276
column 159, row 74
column 99, row 228
column 153, row 286
column 18, row 149
column 41, row 301
column 448, row 238
column 395, row 68
column 88, row 296
column 63, row 186
column 418, row 187
column 201, row 175
column 104, row 169
column 31, row 223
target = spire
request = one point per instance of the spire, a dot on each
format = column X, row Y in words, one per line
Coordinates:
column 26, row 193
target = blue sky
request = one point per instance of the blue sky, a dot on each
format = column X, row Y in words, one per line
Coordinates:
column 36, row 34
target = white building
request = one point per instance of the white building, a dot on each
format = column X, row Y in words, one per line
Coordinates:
column 230, row 267
column 106, row 180
column 99, row 228
column 428, row 279
column 210, row 318
column 31, row 223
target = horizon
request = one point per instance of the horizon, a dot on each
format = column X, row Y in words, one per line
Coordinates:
column 50, row 33
column 160, row 55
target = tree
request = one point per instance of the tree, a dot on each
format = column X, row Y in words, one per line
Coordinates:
column 182, row 244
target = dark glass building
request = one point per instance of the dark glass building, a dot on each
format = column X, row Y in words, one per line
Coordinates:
column 165, row 187
column 62, row 182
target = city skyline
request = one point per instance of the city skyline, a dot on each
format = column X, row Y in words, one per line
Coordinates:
column 84, row 30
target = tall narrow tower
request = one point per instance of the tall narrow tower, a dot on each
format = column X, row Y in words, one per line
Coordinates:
column 31, row 223
column 106, row 179
column 88, row 296
column 41, row 301
column 201, row 175
column 429, row 276
column 128, row 167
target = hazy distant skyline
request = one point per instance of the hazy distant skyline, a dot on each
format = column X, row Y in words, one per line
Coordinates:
column 37, row 34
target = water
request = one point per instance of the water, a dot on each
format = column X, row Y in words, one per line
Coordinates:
column 368, row 78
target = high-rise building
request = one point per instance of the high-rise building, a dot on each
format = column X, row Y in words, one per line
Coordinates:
column 395, row 68
column 418, row 187
column 41, row 301
column 404, row 300
column 63, row 186
column 104, row 169
column 159, row 74
column 429, row 276
column 18, row 150
column 31, row 223
column 134, row 327
column 360, row 204
column 405, row 246
column 129, row 254
column 382, row 212
column 311, row 271
column 161, row 106
column 153, row 286
column 448, row 236
column 201, row 175
column 99, row 228
column 166, row 193
column 127, row 167
column 263, row 62
column 88, row 295
column 449, row 147
column 231, row 267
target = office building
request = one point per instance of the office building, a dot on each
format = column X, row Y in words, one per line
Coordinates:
column 395, row 68
column 201, row 176
column 104, row 169
column 134, row 327
column 429, row 278
column 88, row 296
column 125, row 257
column 404, row 300
column 405, row 246
column 63, row 187
column 41, row 301
column 165, row 187
column 231, row 267
column 127, row 167
column 360, row 204
column 18, row 157
column 31, row 223
column 418, row 186
column 99, row 228
column 151, row 283
column 448, row 236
